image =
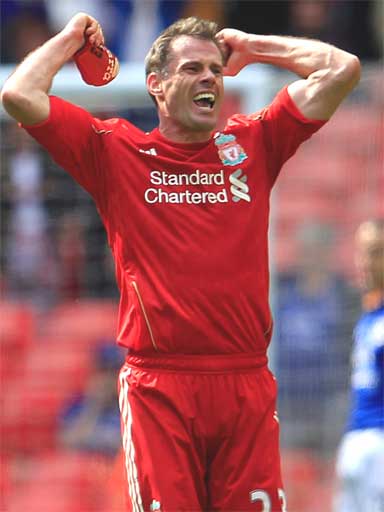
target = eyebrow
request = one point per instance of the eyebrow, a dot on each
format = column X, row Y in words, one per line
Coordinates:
column 199, row 63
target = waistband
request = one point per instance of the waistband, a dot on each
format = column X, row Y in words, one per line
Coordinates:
column 211, row 363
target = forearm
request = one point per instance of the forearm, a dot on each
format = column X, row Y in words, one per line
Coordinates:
column 327, row 73
column 25, row 93
column 38, row 69
column 301, row 56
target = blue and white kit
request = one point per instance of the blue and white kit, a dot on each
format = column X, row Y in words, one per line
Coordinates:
column 360, row 463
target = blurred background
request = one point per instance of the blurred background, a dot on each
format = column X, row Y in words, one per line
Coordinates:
column 59, row 421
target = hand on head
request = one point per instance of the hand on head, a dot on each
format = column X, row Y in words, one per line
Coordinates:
column 234, row 44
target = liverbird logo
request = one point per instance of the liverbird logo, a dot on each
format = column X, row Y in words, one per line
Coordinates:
column 230, row 151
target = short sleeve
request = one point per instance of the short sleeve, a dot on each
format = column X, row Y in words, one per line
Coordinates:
column 284, row 129
column 70, row 137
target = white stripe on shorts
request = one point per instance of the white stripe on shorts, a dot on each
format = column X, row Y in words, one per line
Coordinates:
column 129, row 449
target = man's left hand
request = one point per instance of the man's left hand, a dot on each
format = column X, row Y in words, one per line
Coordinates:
column 234, row 43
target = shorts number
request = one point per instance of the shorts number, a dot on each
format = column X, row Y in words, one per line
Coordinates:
column 264, row 498
column 283, row 500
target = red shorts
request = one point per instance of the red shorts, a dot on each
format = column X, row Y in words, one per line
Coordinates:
column 201, row 433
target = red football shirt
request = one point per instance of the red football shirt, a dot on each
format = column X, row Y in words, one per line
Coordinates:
column 187, row 223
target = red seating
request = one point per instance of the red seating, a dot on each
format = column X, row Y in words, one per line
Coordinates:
column 335, row 177
column 56, row 365
column 306, row 481
column 17, row 328
column 117, row 487
column 62, row 482
column 82, row 322
column 54, row 371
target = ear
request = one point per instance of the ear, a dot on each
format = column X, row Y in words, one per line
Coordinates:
column 154, row 85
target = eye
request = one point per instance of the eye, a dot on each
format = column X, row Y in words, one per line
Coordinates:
column 217, row 71
column 191, row 68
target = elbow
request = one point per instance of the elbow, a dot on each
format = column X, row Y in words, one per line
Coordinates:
column 355, row 68
column 12, row 99
column 352, row 70
column 7, row 97
column 26, row 108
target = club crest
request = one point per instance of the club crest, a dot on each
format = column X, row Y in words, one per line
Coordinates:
column 230, row 151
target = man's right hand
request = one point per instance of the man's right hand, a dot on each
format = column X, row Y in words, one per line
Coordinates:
column 83, row 27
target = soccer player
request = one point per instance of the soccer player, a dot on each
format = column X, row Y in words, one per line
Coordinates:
column 186, row 211
column 360, row 462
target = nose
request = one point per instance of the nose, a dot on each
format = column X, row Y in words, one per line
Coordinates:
column 207, row 76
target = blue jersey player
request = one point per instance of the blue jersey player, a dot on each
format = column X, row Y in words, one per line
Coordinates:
column 360, row 462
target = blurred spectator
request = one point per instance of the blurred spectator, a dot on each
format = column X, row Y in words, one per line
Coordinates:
column 351, row 24
column 91, row 421
column 312, row 338
column 59, row 13
column 353, row 27
column 360, row 460
column 138, row 24
column 29, row 257
column 70, row 256
column 213, row 10
column 309, row 18
column 24, row 27
column 130, row 26
column 262, row 17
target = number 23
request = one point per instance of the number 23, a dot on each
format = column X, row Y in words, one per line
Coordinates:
column 263, row 496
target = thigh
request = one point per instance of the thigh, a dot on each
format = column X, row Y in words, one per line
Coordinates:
column 165, row 471
column 245, row 474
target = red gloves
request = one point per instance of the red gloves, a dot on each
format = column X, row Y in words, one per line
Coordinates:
column 97, row 65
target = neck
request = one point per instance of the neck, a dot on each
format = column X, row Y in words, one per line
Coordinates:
column 180, row 134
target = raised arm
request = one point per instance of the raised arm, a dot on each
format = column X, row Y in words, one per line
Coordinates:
column 25, row 93
column 327, row 73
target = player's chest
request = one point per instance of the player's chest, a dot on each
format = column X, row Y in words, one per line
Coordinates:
column 222, row 177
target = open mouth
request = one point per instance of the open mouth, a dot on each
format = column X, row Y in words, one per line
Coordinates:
column 205, row 100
